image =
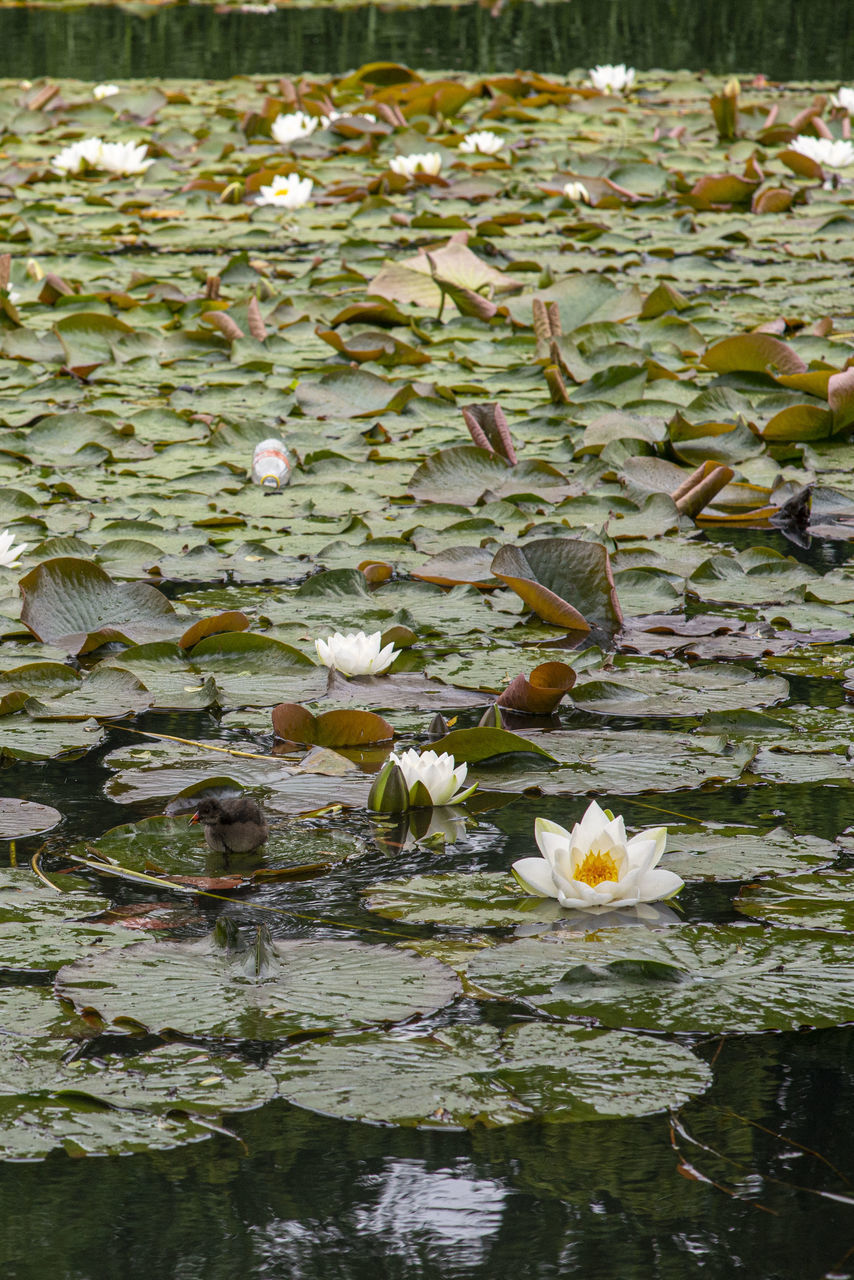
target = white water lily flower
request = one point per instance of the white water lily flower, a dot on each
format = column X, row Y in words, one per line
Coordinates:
column 289, row 191
column 835, row 153
column 419, row 162
column 356, row 654
column 612, row 79
column 9, row 551
column 293, row 126
column 437, row 773
column 577, row 191
column 845, row 99
column 595, row 865
column 484, row 142
column 125, row 158
column 85, row 154
column 105, row 91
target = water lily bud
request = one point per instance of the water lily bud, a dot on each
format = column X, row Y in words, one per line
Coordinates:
column 437, row 728
column 491, row 718
column 389, row 794
column 33, row 270
column 232, row 194
column 732, row 88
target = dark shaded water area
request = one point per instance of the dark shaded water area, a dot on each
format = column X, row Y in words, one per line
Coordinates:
column 785, row 39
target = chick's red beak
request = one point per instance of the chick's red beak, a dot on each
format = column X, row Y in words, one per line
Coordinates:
column 194, row 818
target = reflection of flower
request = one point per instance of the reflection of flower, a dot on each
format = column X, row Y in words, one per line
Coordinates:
column 845, row 99
column 835, row 153
column 9, row 552
column 594, row 865
column 355, row 654
column 424, row 162
column 612, row 79
column 78, row 156
column 437, row 775
column 288, row 192
column 293, row 126
column 105, row 91
column 124, row 158
column 484, row 142
column 577, row 191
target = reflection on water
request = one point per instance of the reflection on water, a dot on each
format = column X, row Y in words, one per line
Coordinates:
column 783, row 38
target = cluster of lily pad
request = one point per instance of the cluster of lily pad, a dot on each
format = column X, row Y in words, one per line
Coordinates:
column 558, row 362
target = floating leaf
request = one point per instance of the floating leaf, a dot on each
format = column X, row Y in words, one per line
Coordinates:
column 331, row 728
column 717, row 979
column 567, row 582
column 24, row 818
column 75, row 604
column 468, row 1076
column 472, row 745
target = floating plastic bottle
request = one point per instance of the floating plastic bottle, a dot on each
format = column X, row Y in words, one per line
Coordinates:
column 271, row 464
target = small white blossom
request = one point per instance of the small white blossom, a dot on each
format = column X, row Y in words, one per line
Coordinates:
column 293, row 127
column 423, row 162
column 595, row 865
column 612, row 79
column 289, row 191
column 105, row 91
column 577, row 191
column 437, row 774
column 845, row 99
column 356, row 654
column 835, row 153
column 484, row 142
column 9, row 551
column 85, row 154
column 124, row 158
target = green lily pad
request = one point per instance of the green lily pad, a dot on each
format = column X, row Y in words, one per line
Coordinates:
column 271, row 990
column 469, row 1076
column 23, row 738
column 32, row 1128
column 24, row 818
column 668, row 689
column 727, row 853
column 823, row 900
column 40, row 931
column 716, row 979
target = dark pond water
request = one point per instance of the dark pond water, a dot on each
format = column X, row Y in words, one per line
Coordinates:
column 783, row 38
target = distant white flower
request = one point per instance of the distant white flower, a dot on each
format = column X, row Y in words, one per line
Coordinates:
column 105, row 91
column 124, row 158
column 85, row 154
column 484, row 142
column 577, row 191
column 595, row 865
column 293, row 126
column 845, row 99
column 612, row 79
column 289, row 191
column 355, row 654
column 9, row 552
column 835, row 153
column 347, row 115
column 422, row 162
column 436, row 773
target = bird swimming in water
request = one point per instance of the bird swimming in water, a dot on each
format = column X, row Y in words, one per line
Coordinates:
column 232, row 826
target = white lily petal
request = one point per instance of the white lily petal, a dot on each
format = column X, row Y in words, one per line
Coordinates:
column 551, row 838
column 534, row 875
column 659, row 883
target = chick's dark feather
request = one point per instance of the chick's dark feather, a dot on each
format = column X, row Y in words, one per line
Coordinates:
column 233, row 826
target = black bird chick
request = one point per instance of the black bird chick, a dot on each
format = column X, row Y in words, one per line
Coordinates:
column 232, row 826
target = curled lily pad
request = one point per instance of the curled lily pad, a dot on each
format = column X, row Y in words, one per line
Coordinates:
column 468, row 1076
column 714, row 979
column 565, row 581
column 271, row 989
column 76, row 604
column 24, row 818
column 539, row 693
column 330, row 729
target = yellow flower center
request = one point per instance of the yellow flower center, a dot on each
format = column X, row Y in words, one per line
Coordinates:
column 597, row 866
